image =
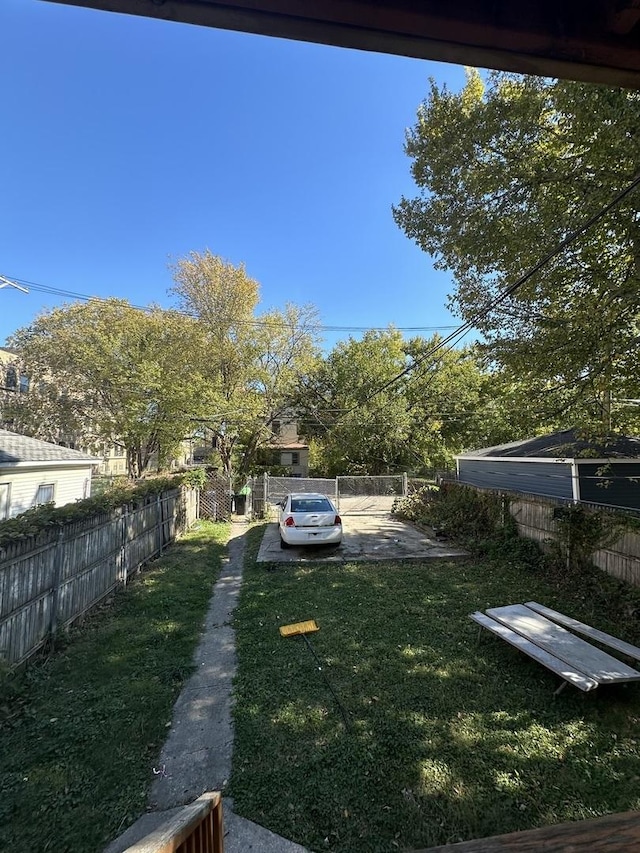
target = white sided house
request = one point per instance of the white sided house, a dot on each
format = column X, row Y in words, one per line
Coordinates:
column 34, row 472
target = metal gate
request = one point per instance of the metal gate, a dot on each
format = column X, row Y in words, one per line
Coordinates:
column 279, row 487
column 369, row 495
column 267, row 491
column 352, row 495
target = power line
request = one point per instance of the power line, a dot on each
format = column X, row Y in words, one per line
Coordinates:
column 466, row 327
column 55, row 291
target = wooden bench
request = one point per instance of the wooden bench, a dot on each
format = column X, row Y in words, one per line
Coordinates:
column 560, row 667
column 627, row 649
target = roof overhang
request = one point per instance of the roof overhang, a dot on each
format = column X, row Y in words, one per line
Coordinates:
column 565, row 460
column 49, row 463
column 595, row 41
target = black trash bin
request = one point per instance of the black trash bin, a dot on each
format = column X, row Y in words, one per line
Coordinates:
column 240, row 503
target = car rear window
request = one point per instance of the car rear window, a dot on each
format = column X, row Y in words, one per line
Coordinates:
column 310, row 505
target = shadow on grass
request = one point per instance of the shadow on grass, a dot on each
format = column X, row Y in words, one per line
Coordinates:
column 80, row 731
column 451, row 739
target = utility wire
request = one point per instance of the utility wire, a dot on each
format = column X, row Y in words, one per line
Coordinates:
column 41, row 288
column 466, row 327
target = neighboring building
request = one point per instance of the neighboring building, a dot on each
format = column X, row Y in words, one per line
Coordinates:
column 12, row 380
column 34, row 472
column 286, row 449
column 114, row 461
column 560, row 465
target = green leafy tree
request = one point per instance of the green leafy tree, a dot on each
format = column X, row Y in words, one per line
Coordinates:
column 359, row 431
column 252, row 362
column 103, row 371
column 448, row 397
column 363, row 416
column 505, row 169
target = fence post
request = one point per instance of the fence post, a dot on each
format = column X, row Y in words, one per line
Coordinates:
column 57, row 569
column 159, row 521
column 124, row 556
column 265, row 494
column 405, row 484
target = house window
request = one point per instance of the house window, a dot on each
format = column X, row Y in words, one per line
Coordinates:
column 288, row 458
column 45, row 494
column 4, row 500
column 12, row 379
column 24, row 384
column 275, row 427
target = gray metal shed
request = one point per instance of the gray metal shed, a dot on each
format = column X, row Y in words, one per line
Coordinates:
column 566, row 464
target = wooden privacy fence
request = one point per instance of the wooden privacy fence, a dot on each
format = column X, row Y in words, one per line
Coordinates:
column 536, row 519
column 48, row 581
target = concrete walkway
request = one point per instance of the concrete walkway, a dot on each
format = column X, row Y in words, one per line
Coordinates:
column 197, row 754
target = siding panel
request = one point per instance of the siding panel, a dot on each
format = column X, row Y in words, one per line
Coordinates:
column 68, row 482
column 551, row 479
column 617, row 484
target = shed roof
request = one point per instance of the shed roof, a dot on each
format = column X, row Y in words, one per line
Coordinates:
column 568, row 444
column 286, row 445
column 16, row 449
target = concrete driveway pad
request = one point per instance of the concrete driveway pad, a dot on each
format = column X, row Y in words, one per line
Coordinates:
column 370, row 533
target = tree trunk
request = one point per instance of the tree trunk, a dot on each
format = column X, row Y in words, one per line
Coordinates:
column 225, row 449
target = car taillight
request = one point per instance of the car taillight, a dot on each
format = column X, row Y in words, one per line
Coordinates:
column 290, row 522
column 337, row 520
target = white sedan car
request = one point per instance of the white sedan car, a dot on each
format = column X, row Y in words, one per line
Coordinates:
column 309, row 519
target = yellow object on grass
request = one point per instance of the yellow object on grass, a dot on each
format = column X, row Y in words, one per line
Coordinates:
column 307, row 627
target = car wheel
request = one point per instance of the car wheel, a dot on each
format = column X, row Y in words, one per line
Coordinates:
column 283, row 544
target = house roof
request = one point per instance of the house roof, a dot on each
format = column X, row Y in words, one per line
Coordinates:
column 7, row 356
column 567, row 444
column 286, row 445
column 16, row 449
column 596, row 41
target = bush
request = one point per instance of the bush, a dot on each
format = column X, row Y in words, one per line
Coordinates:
column 581, row 532
column 34, row 521
column 416, row 506
column 455, row 510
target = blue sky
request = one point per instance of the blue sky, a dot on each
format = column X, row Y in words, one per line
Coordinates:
column 127, row 143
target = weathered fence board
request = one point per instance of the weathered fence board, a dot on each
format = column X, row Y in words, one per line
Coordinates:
column 49, row 581
column 534, row 516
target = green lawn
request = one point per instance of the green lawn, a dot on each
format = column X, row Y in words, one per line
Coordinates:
column 451, row 739
column 79, row 732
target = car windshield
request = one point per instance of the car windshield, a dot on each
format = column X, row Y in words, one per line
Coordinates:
column 310, row 505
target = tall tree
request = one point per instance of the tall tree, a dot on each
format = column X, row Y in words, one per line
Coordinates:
column 363, row 416
column 448, row 397
column 505, row 169
column 361, row 430
column 104, row 371
column 252, row 361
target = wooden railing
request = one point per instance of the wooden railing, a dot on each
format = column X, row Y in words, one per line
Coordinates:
column 196, row 828
column 615, row 833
